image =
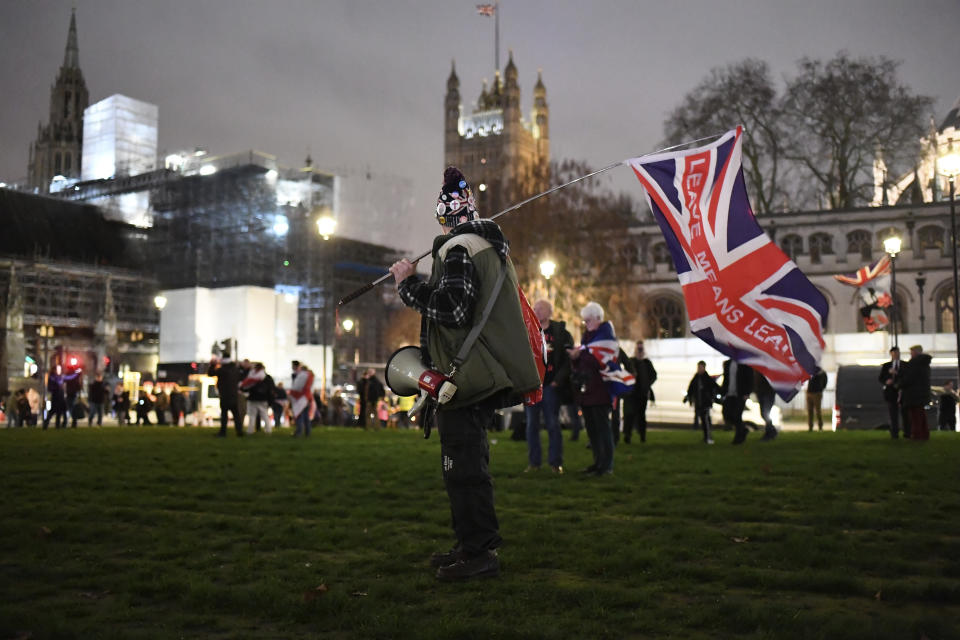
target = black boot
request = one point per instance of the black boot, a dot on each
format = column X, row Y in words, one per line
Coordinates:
column 485, row 565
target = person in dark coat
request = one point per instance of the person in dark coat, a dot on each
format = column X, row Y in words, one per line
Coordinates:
column 915, row 392
column 228, row 387
column 58, row 399
column 890, row 379
column 736, row 387
column 702, row 393
column 178, row 405
column 592, row 393
column 947, row 408
column 97, row 395
column 557, row 373
column 635, row 402
column 370, row 391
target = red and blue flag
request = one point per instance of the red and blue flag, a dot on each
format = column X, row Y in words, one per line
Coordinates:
column 744, row 296
column 604, row 346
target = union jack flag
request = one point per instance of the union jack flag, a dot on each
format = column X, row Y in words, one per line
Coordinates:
column 744, row 296
column 604, row 346
column 486, row 9
column 873, row 282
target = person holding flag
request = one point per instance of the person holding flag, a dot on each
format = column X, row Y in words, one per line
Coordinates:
column 597, row 378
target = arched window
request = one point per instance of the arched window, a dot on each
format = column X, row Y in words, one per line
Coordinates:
column 792, row 245
column 859, row 242
column 930, row 237
column 661, row 255
column 666, row 317
column 945, row 306
column 66, row 162
column 56, row 163
column 630, row 254
column 821, row 244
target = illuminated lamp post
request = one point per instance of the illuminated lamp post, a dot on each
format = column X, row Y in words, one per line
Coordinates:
column 45, row 331
column 892, row 246
column 326, row 225
column 547, row 268
column 949, row 166
column 921, row 282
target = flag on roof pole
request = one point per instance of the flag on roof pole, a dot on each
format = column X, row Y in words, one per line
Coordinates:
column 486, row 10
column 873, row 284
column 744, row 296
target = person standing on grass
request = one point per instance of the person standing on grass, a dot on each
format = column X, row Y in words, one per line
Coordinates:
column 815, row 387
column 260, row 393
column 915, row 392
column 635, row 402
column 301, row 398
column 558, row 340
column 228, row 387
column 97, row 394
column 277, row 404
column 370, row 391
column 766, row 397
column 591, row 390
column 890, row 379
column 121, row 404
column 701, row 394
column 472, row 285
column 736, row 387
column 947, row 409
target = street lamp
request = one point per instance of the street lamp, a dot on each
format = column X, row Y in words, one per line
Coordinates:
column 892, row 246
column 45, row 331
column 326, row 225
column 347, row 324
column 548, row 268
column 160, row 301
column 949, row 166
column 921, row 281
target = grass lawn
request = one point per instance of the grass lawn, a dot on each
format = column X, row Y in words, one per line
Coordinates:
column 170, row 533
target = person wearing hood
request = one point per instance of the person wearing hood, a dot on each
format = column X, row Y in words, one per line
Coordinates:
column 915, row 391
column 557, row 373
column 472, row 285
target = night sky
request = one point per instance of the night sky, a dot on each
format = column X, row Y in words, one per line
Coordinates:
column 360, row 84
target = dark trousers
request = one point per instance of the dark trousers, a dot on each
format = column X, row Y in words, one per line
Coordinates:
column 636, row 420
column 224, row 418
column 465, row 459
column 615, row 420
column 701, row 418
column 893, row 416
column 766, row 406
column 733, row 416
column 597, row 421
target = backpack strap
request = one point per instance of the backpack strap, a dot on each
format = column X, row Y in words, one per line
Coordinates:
column 477, row 328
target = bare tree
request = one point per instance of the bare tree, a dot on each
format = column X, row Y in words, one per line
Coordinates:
column 839, row 113
column 584, row 229
column 739, row 93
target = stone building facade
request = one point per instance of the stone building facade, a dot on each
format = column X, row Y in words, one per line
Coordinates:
column 494, row 145
column 57, row 149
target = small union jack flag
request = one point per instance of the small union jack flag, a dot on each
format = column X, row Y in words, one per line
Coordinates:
column 873, row 282
column 744, row 296
column 486, row 10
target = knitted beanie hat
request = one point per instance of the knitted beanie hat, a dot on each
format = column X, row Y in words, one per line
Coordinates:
column 455, row 203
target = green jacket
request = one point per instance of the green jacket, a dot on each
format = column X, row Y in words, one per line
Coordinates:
column 500, row 363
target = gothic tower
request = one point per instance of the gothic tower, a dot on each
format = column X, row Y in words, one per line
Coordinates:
column 502, row 155
column 57, row 149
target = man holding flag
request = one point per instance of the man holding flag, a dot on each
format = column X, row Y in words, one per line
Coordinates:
column 744, row 296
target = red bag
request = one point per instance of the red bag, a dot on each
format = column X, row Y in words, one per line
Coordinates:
column 538, row 346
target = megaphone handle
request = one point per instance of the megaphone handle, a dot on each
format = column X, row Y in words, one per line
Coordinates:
column 418, row 405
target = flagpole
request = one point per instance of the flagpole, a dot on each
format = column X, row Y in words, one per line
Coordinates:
column 367, row 287
column 496, row 35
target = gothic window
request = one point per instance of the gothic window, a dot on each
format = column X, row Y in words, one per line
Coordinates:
column 792, row 245
column 630, row 254
column 661, row 255
column 66, row 162
column 666, row 318
column 56, row 163
column 821, row 244
column 859, row 242
column 945, row 307
column 66, row 105
column 930, row 237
